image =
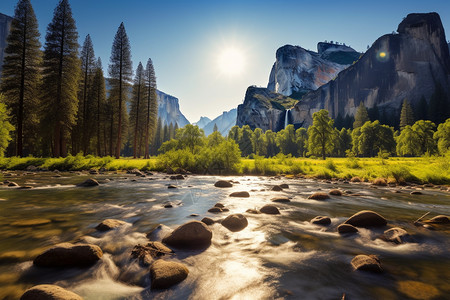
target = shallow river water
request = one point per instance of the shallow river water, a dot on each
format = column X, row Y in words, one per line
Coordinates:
column 275, row 257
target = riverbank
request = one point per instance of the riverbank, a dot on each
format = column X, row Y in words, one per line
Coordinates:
column 421, row 170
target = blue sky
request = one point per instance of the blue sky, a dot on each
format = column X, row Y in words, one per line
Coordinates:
column 185, row 38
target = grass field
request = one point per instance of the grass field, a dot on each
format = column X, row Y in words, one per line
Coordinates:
column 397, row 169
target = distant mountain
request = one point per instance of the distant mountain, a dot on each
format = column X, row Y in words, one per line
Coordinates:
column 169, row 110
column 5, row 25
column 224, row 122
column 297, row 71
column 202, row 122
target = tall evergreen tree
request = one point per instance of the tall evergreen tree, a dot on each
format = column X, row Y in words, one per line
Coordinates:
column 406, row 115
column 85, row 118
column 60, row 77
column 157, row 140
column 137, row 113
column 120, row 70
column 97, row 92
column 215, row 128
column 361, row 116
column 21, row 75
column 152, row 106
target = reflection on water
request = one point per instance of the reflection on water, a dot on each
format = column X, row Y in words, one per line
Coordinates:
column 276, row 256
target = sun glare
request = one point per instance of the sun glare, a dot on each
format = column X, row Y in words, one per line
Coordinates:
column 231, row 61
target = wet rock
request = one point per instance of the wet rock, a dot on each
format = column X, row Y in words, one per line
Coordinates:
column 335, row 192
column 135, row 172
column 215, row 210
column 252, row 211
column 379, row 182
column 12, row 183
column 225, row 209
column 193, row 234
column 93, row 172
column 171, row 186
column 416, row 193
column 243, row 194
column 347, row 228
column 109, row 224
column 319, row 196
column 88, row 183
column 177, row 177
column 277, row 188
column 168, row 205
column 321, row 220
column 49, row 292
column 366, row 218
column 208, row 221
column 146, row 254
column 220, row 205
column 441, row 219
column 397, row 235
column 25, row 187
column 235, row 222
column 69, row 255
column 355, row 179
column 417, row 290
column 281, row 199
column 31, row 222
column 165, row 274
column 270, row 210
column 284, row 186
column 31, row 168
column 158, row 232
column 193, row 215
column 223, row 184
column 369, row 263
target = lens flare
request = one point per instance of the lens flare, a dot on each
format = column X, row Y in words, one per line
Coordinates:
column 382, row 56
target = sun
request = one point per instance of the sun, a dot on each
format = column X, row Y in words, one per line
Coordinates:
column 231, row 61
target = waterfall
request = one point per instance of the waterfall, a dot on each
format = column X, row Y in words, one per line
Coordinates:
column 286, row 118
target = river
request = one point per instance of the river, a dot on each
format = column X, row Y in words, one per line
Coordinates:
column 275, row 257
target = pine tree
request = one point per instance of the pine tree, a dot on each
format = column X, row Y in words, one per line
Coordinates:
column 406, row 115
column 165, row 134
column 60, row 77
column 171, row 131
column 137, row 113
column 157, row 140
column 120, row 70
column 21, row 75
column 361, row 116
column 152, row 106
column 88, row 69
column 215, row 128
column 97, row 92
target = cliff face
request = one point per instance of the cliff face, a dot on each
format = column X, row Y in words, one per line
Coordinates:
column 263, row 109
column 169, row 110
column 297, row 71
column 397, row 66
column 5, row 25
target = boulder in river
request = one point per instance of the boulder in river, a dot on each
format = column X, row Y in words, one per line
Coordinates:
column 321, row 220
column 215, row 209
column 109, row 224
column 223, row 184
column 370, row 263
column 284, row 186
column 441, row 219
column 235, row 222
column 191, row 235
column 355, row 179
column 397, row 235
column 379, row 182
column 243, row 194
column 220, row 205
column 145, row 254
column 416, row 193
column 335, row 192
column 319, row 196
column 68, row 255
column 165, row 274
column 12, row 183
column 177, row 177
column 88, row 183
column 171, row 186
column 347, row 228
column 366, row 218
column 208, row 221
column 49, row 292
column 270, row 210
column 281, row 199
column 277, row 188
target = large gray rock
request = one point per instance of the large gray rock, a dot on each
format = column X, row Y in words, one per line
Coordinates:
column 146, row 253
column 321, row 220
column 223, row 184
column 109, row 224
column 235, row 222
column 165, row 274
column 191, row 235
column 397, row 235
column 366, row 218
column 347, row 228
column 370, row 263
column 88, row 183
column 49, row 292
column 68, row 255
column 270, row 210
column 243, row 194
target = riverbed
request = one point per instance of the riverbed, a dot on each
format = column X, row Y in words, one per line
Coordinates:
column 275, row 257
